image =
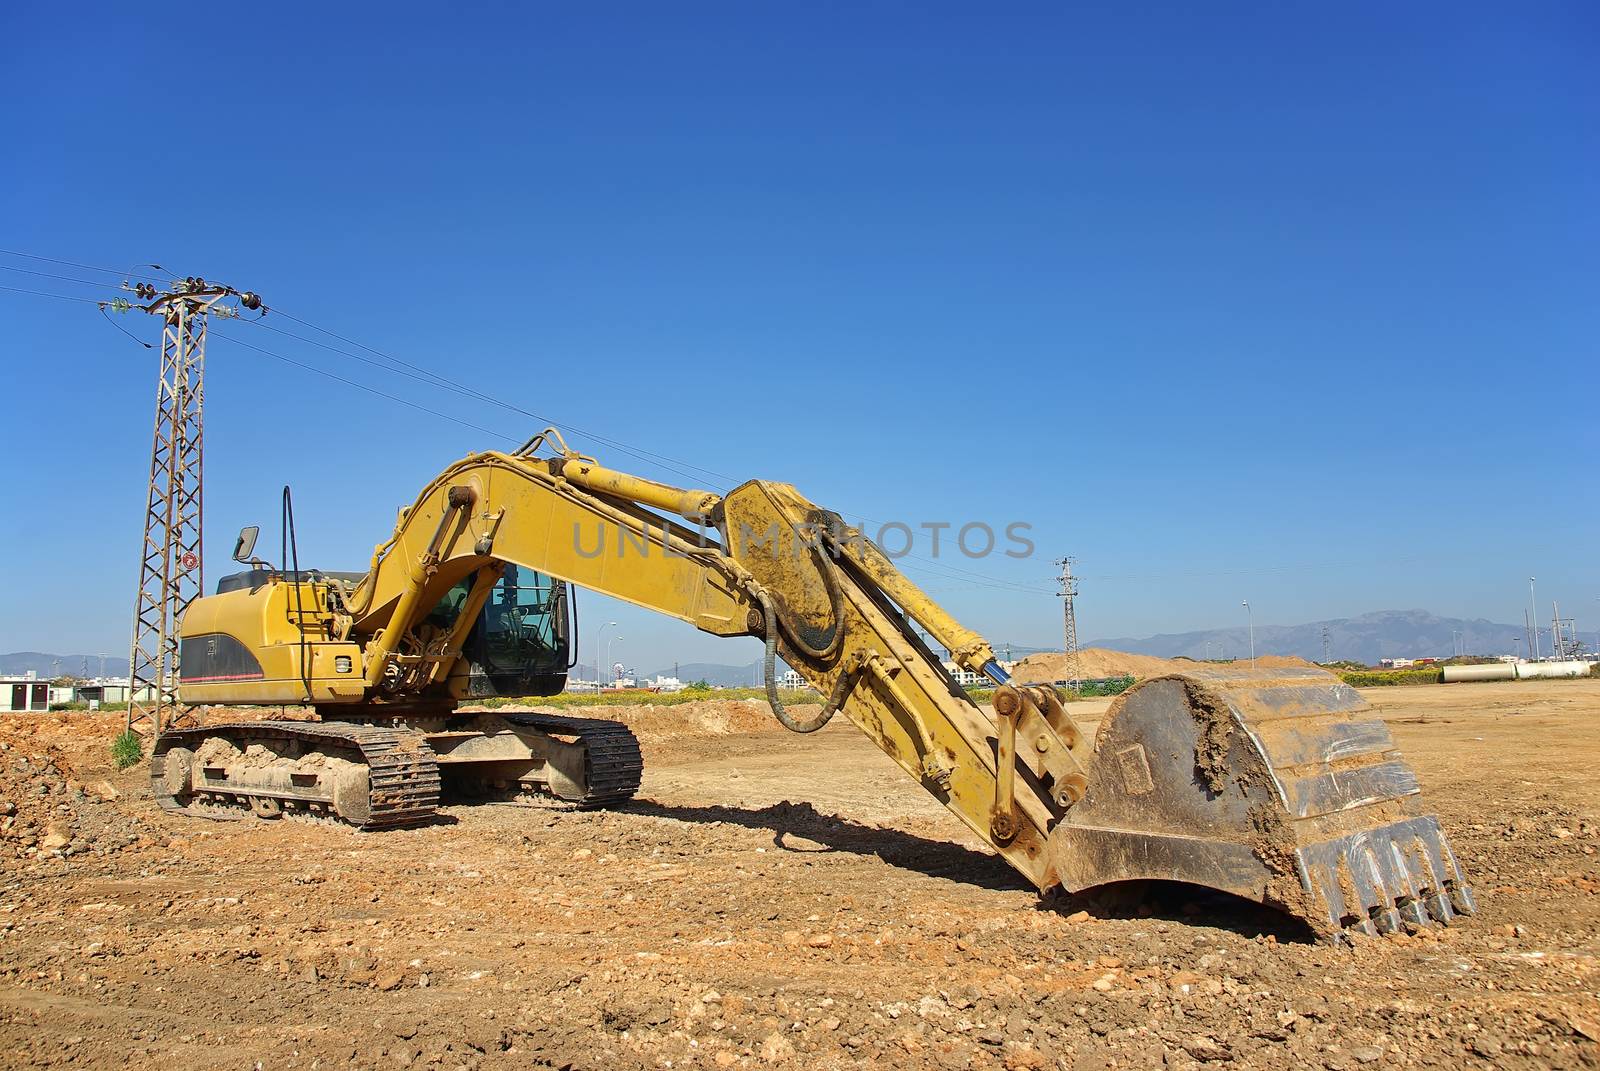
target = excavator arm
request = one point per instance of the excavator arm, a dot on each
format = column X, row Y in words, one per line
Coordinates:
column 1275, row 786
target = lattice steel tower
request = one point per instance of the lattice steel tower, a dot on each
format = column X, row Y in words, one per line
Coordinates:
column 1068, row 594
column 171, row 570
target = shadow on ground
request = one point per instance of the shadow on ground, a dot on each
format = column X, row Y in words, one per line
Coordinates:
column 785, row 820
column 1157, row 900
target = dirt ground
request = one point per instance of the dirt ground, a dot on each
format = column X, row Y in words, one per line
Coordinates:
column 1097, row 662
column 769, row 900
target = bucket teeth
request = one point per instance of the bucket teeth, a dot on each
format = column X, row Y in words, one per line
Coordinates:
column 1378, row 880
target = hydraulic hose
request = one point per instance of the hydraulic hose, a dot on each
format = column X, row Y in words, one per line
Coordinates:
column 770, row 665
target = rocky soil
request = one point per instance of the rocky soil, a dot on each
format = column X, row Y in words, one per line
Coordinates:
column 770, row 901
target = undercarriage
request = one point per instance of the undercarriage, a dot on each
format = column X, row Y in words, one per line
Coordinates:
column 375, row 774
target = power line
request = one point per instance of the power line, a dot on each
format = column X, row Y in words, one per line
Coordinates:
column 370, row 390
column 62, row 278
column 59, row 297
column 665, row 461
column 67, row 263
column 673, row 464
column 411, row 371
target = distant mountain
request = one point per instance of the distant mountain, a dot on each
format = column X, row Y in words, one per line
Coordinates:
column 723, row 676
column 1367, row 639
column 18, row 663
column 715, row 673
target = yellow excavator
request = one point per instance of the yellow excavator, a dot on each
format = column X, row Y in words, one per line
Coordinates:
column 1277, row 785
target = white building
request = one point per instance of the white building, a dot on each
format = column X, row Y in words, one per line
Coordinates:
column 665, row 684
column 791, row 680
column 25, row 692
column 110, row 690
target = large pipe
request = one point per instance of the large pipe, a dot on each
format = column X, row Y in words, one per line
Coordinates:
column 1534, row 670
column 1493, row 671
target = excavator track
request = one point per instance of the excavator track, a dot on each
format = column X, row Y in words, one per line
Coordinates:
column 613, row 764
column 368, row 776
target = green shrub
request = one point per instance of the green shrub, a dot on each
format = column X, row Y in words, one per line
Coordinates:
column 1113, row 686
column 127, row 749
column 1385, row 677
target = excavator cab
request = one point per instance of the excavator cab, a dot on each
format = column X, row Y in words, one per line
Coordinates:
column 520, row 644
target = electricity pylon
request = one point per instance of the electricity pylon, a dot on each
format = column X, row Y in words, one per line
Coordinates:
column 1069, row 593
column 171, row 570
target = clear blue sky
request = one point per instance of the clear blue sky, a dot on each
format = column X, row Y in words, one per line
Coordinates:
column 1292, row 303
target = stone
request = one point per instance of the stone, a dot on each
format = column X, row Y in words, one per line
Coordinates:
column 821, row 940
column 1205, row 1048
column 776, row 1048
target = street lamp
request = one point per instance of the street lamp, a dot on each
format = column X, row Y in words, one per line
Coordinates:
column 598, row 634
column 1533, row 605
column 1252, row 615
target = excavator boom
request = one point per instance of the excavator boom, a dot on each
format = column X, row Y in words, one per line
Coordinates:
column 1278, row 786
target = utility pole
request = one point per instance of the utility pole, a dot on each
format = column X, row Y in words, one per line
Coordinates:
column 598, row 636
column 1252, row 615
column 1326, row 658
column 171, row 572
column 1068, row 595
column 1557, row 640
column 1533, row 619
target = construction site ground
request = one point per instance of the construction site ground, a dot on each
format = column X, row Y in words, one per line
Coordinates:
column 770, row 900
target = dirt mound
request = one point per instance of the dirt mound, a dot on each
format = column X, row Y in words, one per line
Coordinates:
column 1096, row 662
column 55, row 783
column 708, row 717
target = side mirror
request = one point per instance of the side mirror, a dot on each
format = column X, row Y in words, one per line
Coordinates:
column 245, row 545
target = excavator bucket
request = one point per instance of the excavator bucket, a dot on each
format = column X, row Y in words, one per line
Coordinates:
column 1279, row 786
